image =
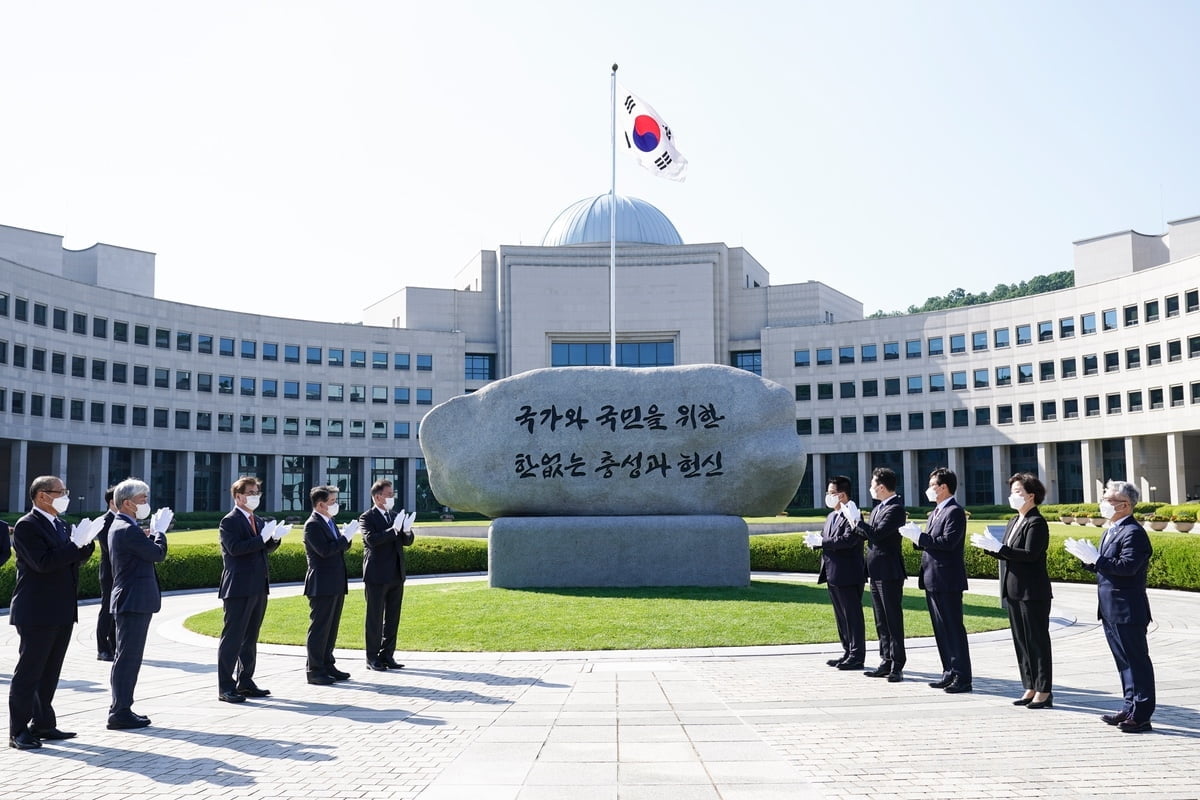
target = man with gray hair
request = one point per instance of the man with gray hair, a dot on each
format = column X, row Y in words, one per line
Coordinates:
column 1124, row 610
column 136, row 595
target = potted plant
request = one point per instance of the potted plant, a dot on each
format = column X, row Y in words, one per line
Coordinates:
column 1157, row 522
column 1184, row 520
column 1066, row 515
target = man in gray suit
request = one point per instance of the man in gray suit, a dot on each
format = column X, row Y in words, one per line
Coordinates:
column 135, row 594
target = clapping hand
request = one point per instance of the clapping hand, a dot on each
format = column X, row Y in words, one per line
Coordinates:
column 1082, row 549
column 161, row 520
column 851, row 512
column 84, row 532
column 911, row 532
column 268, row 529
column 349, row 529
column 986, row 541
column 398, row 523
column 812, row 539
column 282, row 529
column 408, row 521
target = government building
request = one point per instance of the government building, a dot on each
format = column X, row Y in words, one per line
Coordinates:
column 99, row 380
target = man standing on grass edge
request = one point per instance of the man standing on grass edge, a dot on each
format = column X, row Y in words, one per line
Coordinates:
column 385, row 535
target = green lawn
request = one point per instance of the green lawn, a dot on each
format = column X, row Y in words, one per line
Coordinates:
column 471, row 617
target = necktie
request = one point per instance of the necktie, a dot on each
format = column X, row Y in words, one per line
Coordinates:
column 61, row 528
column 253, row 526
column 333, row 528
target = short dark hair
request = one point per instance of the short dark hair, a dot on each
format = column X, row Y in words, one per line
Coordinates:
column 885, row 478
column 378, row 486
column 946, row 478
column 108, row 494
column 842, row 483
column 243, row 483
column 321, row 494
column 1031, row 485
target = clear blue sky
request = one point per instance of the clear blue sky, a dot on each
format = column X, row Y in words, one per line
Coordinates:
column 305, row 159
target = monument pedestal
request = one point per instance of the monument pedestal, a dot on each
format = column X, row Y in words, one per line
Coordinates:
column 538, row 552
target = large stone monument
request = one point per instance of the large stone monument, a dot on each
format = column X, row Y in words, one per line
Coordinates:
column 609, row 476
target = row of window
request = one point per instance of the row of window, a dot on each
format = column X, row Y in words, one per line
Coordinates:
column 984, row 377
column 1000, row 338
column 1047, row 411
column 185, row 419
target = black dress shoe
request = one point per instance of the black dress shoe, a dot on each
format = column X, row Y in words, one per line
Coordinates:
column 141, row 716
column 51, row 733
column 958, row 686
column 104, row 655
column 1132, row 726
column 833, row 662
column 1047, row 703
column 338, row 675
column 882, row 671
column 391, row 663
column 850, row 665
column 378, row 666
column 231, row 696
column 896, row 676
column 319, row 679
column 1115, row 719
column 126, row 721
column 24, row 741
column 942, row 684
column 1023, row 701
column 253, row 691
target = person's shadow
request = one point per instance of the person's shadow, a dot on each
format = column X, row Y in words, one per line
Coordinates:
column 157, row 767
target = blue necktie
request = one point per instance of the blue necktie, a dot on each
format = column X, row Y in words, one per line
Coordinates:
column 333, row 528
column 61, row 528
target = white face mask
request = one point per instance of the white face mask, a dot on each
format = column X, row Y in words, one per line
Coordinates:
column 831, row 501
column 874, row 492
column 332, row 509
column 251, row 501
column 61, row 504
column 1107, row 510
column 1016, row 501
column 931, row 493
column 388, row 502
column 143, row 510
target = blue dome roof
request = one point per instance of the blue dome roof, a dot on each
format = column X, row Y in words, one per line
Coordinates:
column 587, row 222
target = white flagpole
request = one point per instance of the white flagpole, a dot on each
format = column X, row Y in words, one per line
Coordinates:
column 612, row 231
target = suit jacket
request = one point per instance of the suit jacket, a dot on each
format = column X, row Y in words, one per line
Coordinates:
column 1121, row 573
column 1022, row 559
column 134, row 554
column 842, row 561
column 5, row 543
column 942, row 566
column 244, row 570
column 324, row 550
column 383, row 548
column 885, row 561
column 47, row 573
column 106, row 569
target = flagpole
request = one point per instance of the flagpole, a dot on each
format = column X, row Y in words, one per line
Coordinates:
column 612, row 228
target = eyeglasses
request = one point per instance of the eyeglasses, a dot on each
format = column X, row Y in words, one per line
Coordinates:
column 55, row 492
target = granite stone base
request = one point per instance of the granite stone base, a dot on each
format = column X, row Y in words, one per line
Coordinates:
column 529, row 552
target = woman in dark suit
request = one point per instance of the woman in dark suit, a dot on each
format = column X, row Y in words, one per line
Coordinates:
column 1025, row 585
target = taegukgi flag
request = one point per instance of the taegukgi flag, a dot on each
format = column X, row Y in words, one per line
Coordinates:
column 647, row 137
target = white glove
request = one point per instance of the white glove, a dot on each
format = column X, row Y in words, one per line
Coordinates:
column 1082, row 549
column 911, row 532
column 812, row 539
column 398, row 523
column 161, row 520
column 985, row 541
column 349, row 529
column 408, row 522
column 282, row 529
column 851, row 513
column 268, row 529
column 84, row 532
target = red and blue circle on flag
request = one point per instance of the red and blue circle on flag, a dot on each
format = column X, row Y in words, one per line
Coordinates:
column 646, row 133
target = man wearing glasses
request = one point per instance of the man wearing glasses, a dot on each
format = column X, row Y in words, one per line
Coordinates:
column 43, row 610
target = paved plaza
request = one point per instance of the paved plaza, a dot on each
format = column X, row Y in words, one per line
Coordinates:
column 736, row 724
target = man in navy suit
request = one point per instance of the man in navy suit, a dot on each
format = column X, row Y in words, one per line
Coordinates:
column 383, row 575
column 944, row 578
column 885, row 568
column 245, row 583
column 1124, row 608
column 106, row 626
column 136, row 595
column 843, row 568
column 44, row 610
column 325, row 584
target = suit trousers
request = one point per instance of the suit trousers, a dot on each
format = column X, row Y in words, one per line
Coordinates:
column 324, row 618
column 1127, row 640
column 946, row 614
column 1029, row 621
column 237, row 652
column 35, row 677
column 383, row 618
column 132, row 628
column 106, row 626
column 887, row 597
column 848, row 612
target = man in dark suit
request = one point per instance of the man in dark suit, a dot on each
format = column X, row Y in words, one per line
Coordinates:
column 44, row 610
column 385, row 535
column 885, row 568
column 325, row 584
column 1124, row 608
column 245, row 583
column 944, row 579
column 843, row 568
column 136, row 595
column 106, row 628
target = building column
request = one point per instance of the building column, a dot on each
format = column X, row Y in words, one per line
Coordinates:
column 364, row 482
column 1000, row 473
column 1134, row 457
column 1176, row 470
column 189, row 480
column 18, row 486
column 275, row 484
column 909, row 490
column 954, row 463
column 104, row 465
column 58, row 463
column 1088, row 453
column 818, row 476
column 864, row 481
column 139, row 463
